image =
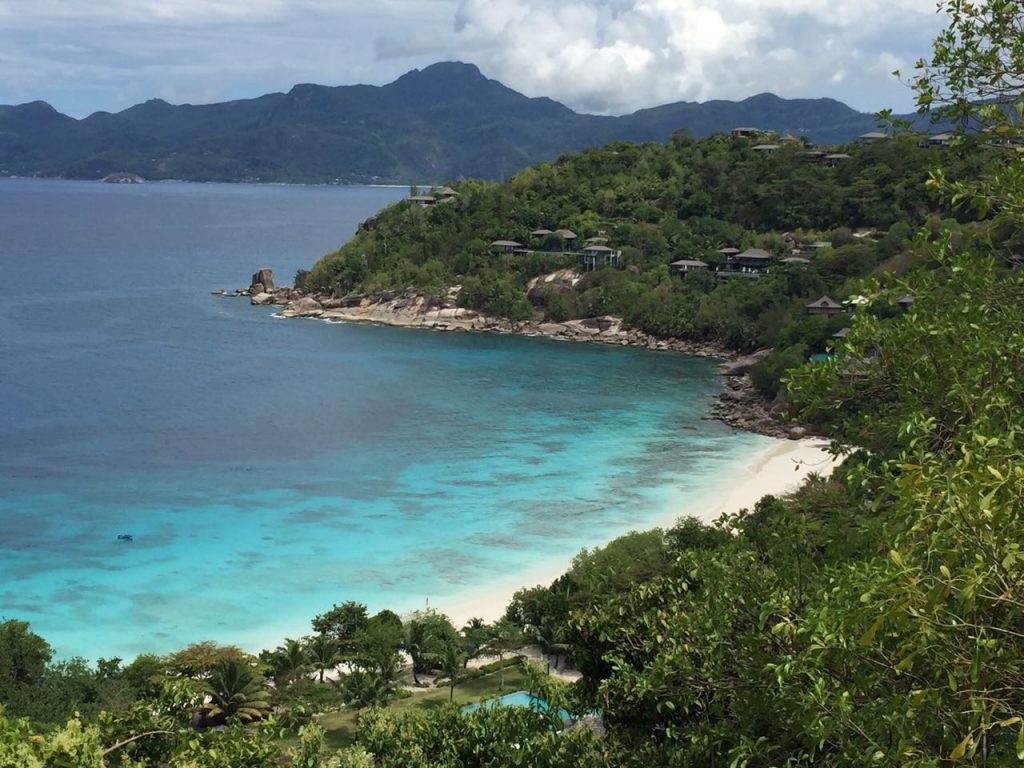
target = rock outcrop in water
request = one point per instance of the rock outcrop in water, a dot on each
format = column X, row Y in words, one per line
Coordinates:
column 262, row 281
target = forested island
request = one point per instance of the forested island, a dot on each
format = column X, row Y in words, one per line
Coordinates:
column 446, row 120
column 870, row 618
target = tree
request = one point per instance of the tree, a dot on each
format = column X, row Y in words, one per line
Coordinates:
column 452, row 658
column 426, row 635
column 323, row 651
column 236, row 691
column 289, row 661
column 200, row 659
column 342, row 623
column 976, row 77
column 23, row 655
column 502, row 637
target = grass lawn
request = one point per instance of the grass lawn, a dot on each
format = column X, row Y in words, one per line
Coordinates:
column 340, row 726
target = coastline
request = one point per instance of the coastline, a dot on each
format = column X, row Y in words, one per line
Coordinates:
column 775, row 470
column 740, row 405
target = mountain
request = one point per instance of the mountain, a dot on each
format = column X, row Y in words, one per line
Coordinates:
column 442, row 122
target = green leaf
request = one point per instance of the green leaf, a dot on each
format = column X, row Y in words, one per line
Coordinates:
column 961, row 748
column 868, row 637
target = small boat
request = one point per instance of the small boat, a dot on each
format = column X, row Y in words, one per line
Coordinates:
column 125, row 537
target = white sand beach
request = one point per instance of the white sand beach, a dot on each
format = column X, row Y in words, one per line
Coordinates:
column 778, row 469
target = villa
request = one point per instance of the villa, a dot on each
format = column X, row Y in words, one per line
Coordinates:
column 594, row 256
column 826, row 305
column 687, row 265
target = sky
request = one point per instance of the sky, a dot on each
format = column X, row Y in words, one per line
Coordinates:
column 597, row 56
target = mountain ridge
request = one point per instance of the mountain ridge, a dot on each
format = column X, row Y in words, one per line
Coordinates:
column 444, row 121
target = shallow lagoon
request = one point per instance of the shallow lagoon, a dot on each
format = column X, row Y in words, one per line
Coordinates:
column 267, row 468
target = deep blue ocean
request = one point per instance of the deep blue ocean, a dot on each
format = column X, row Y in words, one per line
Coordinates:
column 268, row 468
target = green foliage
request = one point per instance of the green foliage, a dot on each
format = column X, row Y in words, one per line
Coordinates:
column 342, row 622
column 200, row 659
column 236, row 691
column 427, row 635
column 23, row 655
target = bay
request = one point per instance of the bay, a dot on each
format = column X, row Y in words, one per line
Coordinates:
column 268, row 468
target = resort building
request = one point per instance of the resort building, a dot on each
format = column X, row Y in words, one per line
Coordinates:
column 766, row 149
column 826, row 305
column 745, row 133
column 687, row 265
column 872, row 137
column 423, row 200
column 594, row 256
column 507, row 247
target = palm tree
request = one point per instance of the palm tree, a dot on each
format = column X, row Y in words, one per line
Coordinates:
column 324, row 652
column 504, row 637
column 452, row 659
column 290, row 661
column 236, row 691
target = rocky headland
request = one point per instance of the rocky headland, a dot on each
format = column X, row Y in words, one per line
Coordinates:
column 740, row 406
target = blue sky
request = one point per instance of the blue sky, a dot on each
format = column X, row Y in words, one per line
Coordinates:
column 600, row 56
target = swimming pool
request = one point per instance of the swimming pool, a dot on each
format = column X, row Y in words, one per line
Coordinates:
column 517, row 699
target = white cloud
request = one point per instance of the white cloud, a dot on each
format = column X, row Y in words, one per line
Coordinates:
column 614, row 56
column 605, row 56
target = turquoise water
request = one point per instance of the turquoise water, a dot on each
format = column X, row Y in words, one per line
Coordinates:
column 269, row 468
column 517, row 699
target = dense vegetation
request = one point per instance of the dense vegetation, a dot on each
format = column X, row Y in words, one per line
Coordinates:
column 446, row 121
column 871, row 618
column 663, row 202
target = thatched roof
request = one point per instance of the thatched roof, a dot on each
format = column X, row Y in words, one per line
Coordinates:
column 754, row 253
column 696, row 263
column 506, row 244
column 728, row 251
column 541, row 232
column 598, row 249
column 796, row 260
column 565, row 234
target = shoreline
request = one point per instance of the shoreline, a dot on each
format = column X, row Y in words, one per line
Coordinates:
column 740, row 405
column 774, row 470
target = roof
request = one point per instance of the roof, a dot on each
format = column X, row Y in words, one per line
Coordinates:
column 765, row 147
column 841, row 333
column 445, row 191
column 542, row 232
column 825, row 302
column 727, row 251
column 940, row 137
column 597, row 240
column 565, row 234
column 506, row 244
column 796, row 260
column 688, row 263
column 838, row 156
column 873, row 135
column 754, row 253
column 597, row 249
column 908, row 300
column 423, row 198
